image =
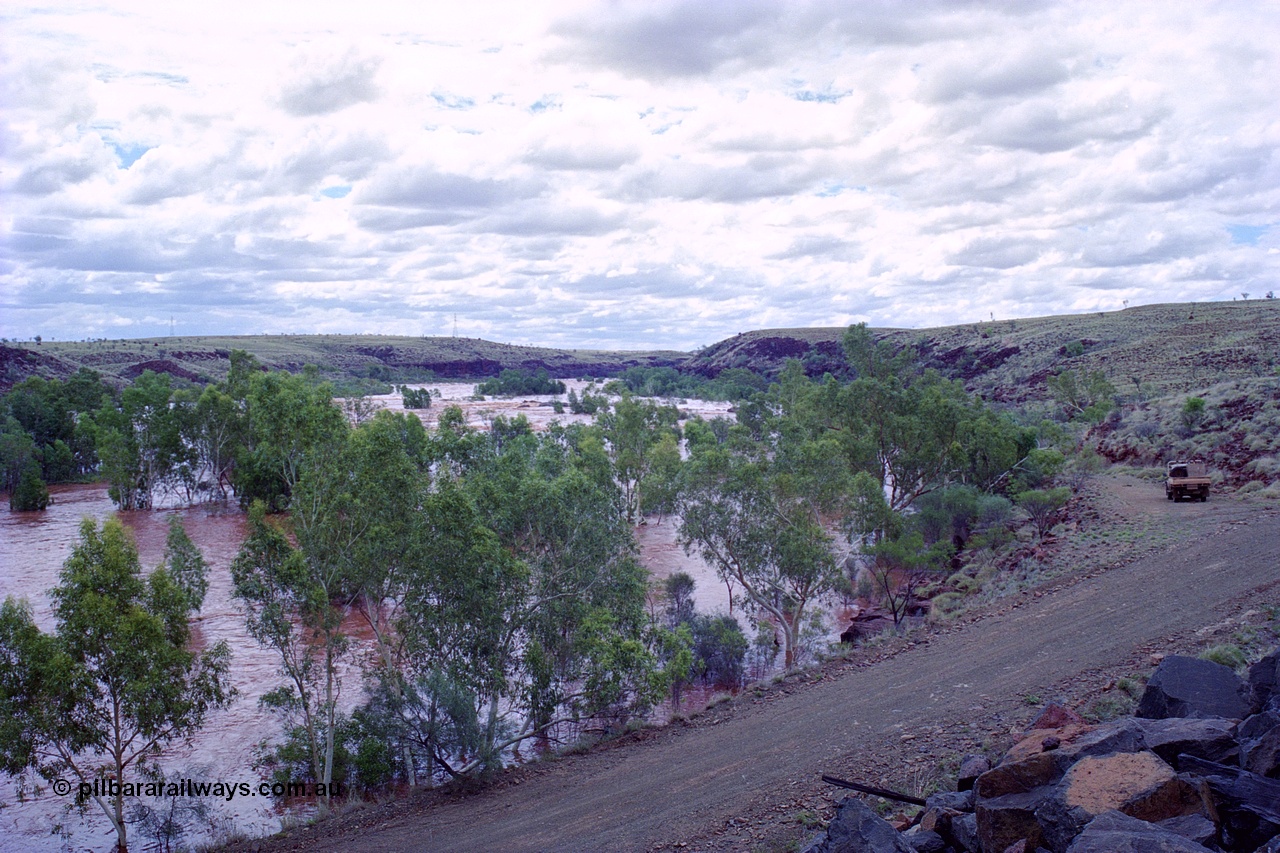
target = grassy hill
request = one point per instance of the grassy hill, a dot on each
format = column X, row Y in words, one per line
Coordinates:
column 339, row 357
column 1148, row 351
column 1152, row 350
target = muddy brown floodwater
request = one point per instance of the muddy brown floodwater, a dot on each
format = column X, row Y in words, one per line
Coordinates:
column 34, row 545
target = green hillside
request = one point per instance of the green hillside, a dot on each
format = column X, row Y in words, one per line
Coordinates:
column 1154, row 349
column 1164, row 348
column 339, row 357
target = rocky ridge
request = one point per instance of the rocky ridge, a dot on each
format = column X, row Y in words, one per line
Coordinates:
column 1197, row 768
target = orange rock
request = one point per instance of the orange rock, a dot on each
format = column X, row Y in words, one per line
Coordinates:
column 1138, row 784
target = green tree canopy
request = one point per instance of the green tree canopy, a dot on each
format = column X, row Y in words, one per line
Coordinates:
column 114, row 682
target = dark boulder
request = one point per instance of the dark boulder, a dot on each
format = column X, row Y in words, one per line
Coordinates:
column 1264, row 678
column 971, row 767
column 1259, row 738
column 1197, row 827
column 1210, row 738
column 1191, row 687
column 1012, row 817
column 1113, row 832
column 857, row 829
column 1236, row 789
column 961, row 801
column 925, row 841
column 964, row 830
column 864, row 626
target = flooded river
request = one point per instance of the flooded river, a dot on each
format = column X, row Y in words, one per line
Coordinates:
column 33, row 547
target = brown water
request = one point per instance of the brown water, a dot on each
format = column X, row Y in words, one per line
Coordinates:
column 537, row 408
column 33, row 547
column 663, row 555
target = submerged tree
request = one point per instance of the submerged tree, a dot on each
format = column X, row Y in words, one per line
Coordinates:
column 640, row 436
column 289, row 608
column 114, row 683
column 756, row 515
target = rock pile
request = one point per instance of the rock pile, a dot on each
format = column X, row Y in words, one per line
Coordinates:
column 1196, row 769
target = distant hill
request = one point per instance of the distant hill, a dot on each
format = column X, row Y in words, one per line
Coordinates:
column 1167, row 348
column 206, row 358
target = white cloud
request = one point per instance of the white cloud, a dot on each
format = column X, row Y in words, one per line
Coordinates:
column 323, row 85
column 628, row 174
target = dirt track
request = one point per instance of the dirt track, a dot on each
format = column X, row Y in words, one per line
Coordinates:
column 737, row 777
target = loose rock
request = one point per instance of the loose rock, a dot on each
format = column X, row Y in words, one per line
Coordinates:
column 857, row 829
column 1114, row 832
column 1189, row 687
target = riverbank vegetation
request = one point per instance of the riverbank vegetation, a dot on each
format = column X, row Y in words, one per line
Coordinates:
column 496, row 570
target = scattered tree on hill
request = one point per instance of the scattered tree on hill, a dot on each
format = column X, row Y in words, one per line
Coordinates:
column 1086, row 395
column 1192, row 412
column 1042, row 505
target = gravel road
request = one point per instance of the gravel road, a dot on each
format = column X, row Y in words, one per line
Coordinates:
column 737, row 776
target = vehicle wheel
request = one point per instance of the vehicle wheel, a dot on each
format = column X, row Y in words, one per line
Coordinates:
column 1204, row 498
column 1168, row 495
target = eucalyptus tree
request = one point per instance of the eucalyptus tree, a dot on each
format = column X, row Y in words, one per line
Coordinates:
column 755, row 509
column 218, row 432
column 116, row 681
column 288, row 604
column 289, row 419
column 579, row 619
column 141, row 441
column 360, row 518
column 634, row 431
column 460, row 631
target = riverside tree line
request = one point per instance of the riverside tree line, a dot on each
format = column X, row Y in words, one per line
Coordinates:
column 496, row 570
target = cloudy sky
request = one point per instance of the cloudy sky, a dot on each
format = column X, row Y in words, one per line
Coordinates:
column 629, row 175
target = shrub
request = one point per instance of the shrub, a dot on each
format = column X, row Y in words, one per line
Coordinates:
column 719, row 643
column 511, row 382
column 1227, row 654
column 31, row 492
column 1042, row 506
column 1193, row 412
column 415, row 398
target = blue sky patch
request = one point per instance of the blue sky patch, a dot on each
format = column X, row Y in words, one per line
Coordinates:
column 130, row 153
column 823, row 97
column 451, row 101
column 336, row 192
column 1247, row 235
